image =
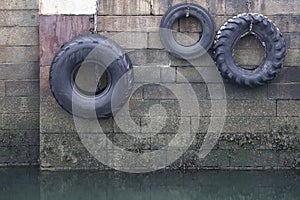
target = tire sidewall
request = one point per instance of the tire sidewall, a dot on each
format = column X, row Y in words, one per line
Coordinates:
column 197, row 49
column 62, row 84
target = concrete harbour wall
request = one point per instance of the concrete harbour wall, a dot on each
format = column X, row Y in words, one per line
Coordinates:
column 262, row 128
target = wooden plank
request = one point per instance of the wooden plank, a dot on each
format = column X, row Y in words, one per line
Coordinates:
column 56, row 30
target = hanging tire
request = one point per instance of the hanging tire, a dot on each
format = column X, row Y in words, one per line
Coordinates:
column 200, row 47
column 266, row 32
column 85, row 73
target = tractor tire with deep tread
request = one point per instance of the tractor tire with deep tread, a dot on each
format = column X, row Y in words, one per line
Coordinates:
column 270, row 36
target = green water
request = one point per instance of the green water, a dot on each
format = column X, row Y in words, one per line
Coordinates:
column 30, row 184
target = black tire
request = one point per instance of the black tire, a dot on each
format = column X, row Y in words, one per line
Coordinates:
column 266, row 32
column 199, row 48
column 95, row 50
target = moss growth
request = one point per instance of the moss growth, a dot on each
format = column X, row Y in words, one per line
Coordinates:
column 284, row 139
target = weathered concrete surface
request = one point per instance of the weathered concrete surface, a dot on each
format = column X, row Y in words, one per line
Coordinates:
column 262, row 124
column 19, row 83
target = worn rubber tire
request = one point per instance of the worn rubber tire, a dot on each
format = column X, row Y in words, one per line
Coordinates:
column 97, row 49
column 199, row 48
column 266, row 32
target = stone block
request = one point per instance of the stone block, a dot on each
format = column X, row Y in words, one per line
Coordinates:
column 286, row 23
column 137, row 92
column 248, row 57
column 204, row 61
column 24, row 138
column 198, row 75
column 186, row 38
column 288, row 160
column 140, row 108
column 220, row 20
column 288, row 91
column 189, row 74
column 53, row 119
column 244, row 141
column 121, row 7
column 288, row 125
column 131, row 143
column 129, row 23
column 217, row 7
column 245, row 108
column 22, row 88
column 250, row 42
column 122, row 125
column 233, row 125
column 19, row 5
column 235, row 6
column 215, row 159
column 165, row 125
column 158, row 92
column 147, row 74
column 279, row 7
column 190, row 25
column 17, row 55
column 66, row 151
column 237, row 92
column 2, row 88
column 200, row 91
column 186, row 108
column 129, row 40
column 149, row 57
column 19, row 71
column 161, row 140
column 21, row 121
column 168, row 74
column 154, row 41
column 160, row 7
column 288, row 108
column 199, row 142
column 265, row 7
column 291, row 22
column 199, row 125
column 292, row 58
column 15, row 105
column 253, row 159
column 19, row 155
column 292, row 40
column 251, row 108
column 288, row 75
column 21, row 18
column 246, row 125
column 175, row 91
column 19, row 36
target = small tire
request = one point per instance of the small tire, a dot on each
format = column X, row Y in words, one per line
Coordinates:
column 266, row 32
column 200, row 47
column 95, row 50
